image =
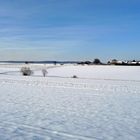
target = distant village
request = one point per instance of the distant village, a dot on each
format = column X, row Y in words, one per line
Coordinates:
column 119, row 62
column 96, row 61
column 112, row 62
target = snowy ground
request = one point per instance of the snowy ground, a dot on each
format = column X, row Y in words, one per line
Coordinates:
column 103, row 103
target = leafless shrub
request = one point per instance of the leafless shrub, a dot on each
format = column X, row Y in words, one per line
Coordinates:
column 26, row 71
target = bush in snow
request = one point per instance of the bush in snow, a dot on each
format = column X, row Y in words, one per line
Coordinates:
column 44, row 72
column 96, row 61
column 74, row 76
column 26, row 71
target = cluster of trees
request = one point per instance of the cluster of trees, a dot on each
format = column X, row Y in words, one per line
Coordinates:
column 95, row 62
column 26, row 71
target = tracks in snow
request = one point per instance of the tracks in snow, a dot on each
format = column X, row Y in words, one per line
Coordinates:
column 22, row 129
column 103, row 85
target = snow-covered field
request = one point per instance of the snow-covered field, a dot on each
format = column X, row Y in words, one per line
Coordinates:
column 103, row 103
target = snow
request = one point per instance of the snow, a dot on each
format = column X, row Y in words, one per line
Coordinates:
column 103, row 103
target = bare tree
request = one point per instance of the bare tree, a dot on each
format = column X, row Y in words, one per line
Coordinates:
column 44, row 72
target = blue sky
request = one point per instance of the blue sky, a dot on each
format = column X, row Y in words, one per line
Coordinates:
column 69, row 29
